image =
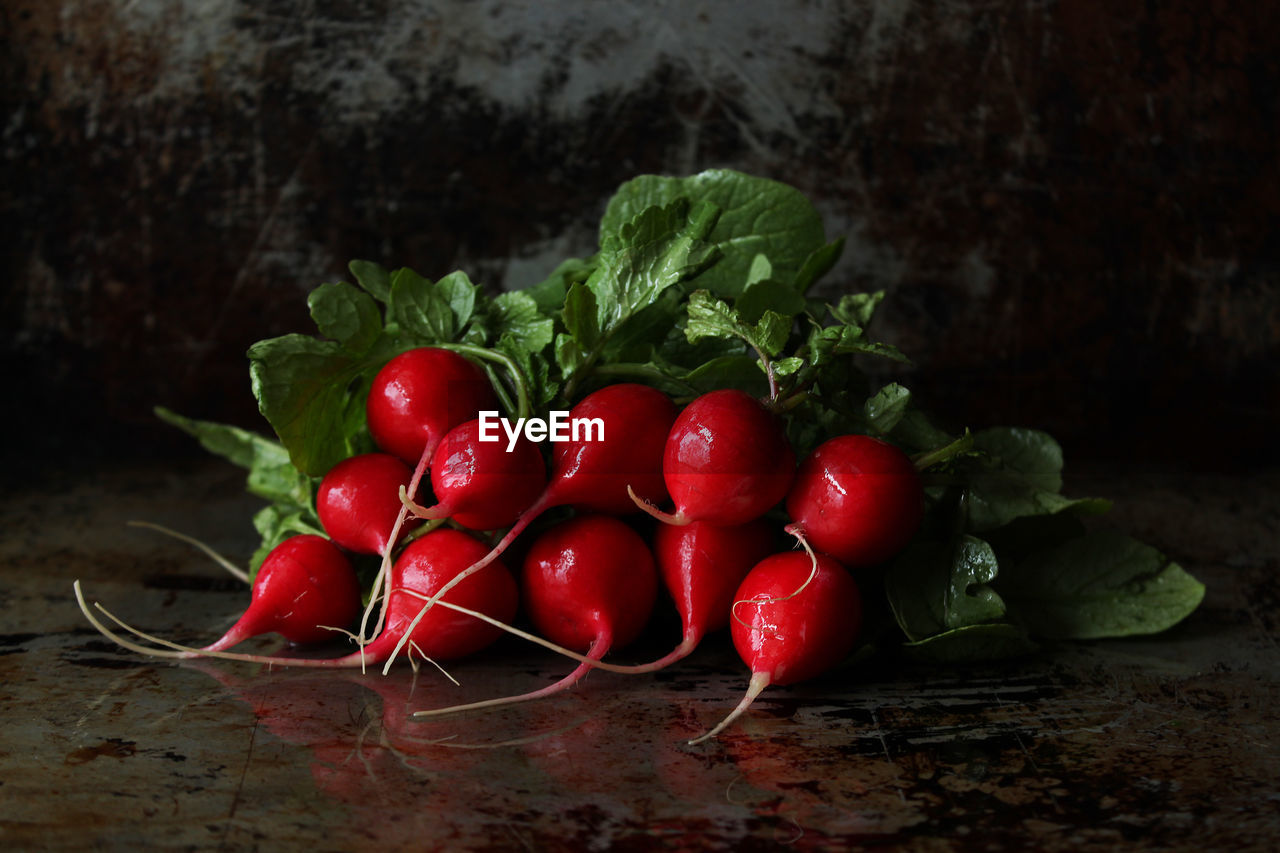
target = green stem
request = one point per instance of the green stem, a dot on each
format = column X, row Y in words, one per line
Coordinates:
column 523, row 409
column 645, row 372
column 933, row 457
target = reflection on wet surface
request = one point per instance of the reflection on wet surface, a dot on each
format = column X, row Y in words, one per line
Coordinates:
column 1088, row 745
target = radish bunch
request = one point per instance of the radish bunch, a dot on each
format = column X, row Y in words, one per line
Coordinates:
column 736, row 465
column 590, row 580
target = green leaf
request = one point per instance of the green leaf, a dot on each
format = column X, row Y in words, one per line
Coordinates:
column 972, row 644
column 515, row 314
column 271, row 474
column 1021, row 476
column 418, row 309
column 758, row 217
column 768, row 295
column 818, row 264
column 710, row 317
column 857, row 309
column 827, row 341
column 373, row 278
column 1102, row 584
column 312, row 392
column 579, row 316
column 550, row 292
column 276, row 524
column 345, row 314
column 660, row 247
column 457, row 290
column 760, row 270
column 933, row 587
column 886, row 408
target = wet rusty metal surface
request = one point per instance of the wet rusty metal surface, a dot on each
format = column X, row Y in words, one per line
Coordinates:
column 1159, row 743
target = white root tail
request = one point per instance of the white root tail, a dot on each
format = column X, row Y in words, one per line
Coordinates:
column 759, row 681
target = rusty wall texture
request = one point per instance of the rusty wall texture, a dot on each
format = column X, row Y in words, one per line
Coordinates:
column 1073, row 205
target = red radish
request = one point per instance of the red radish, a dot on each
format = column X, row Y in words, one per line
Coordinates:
column 598, row 475
column 420, row 395
column 481, row 484
column 858, row 499
column 359, row 504
column 304, row 590
column 796, row 616
column 702, row 565
column 417, row 574
column 726, row 461
column 594, row 475
column 589, row 584
column 415, row 399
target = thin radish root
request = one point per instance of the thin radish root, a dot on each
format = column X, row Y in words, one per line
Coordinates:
column 525, row 520
column 597, row 650
column 759, row 681
column 795, row 531
column 418, row 510
column 678, row 653
column 677, row 519
column 232, row 569
column 365, row 636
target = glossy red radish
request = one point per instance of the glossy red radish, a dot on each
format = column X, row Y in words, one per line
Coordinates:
column 796, row 615
column 589, row 584
column 420, row 395
column 359, row 501
column 596, row 472
column 858, row 499
column 305, row 590
column 701, row 566
column 418, row 573
column 483, row 485
column 726, row 461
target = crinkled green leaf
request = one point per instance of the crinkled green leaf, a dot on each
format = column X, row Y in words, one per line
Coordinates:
column 658, row 248
column 1101, row 584
column 758, row 217
column 849, row 340
column 710, row 317
column 516, row 314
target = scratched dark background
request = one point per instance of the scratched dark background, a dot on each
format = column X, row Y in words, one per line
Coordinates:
column 1072, row 205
